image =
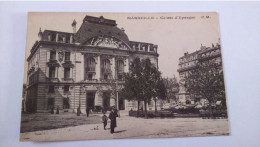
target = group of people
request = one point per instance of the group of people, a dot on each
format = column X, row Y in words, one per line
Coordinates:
column 112, row 116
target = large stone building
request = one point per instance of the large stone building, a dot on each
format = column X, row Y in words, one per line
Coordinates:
column 80, row 69
column 189, row 62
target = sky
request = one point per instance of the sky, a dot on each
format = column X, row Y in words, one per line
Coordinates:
column 174, row 33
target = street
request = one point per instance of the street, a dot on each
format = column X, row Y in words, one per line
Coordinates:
column 131, row 127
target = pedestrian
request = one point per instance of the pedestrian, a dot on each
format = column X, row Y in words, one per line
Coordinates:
column 112, row 117
column 104, row 119
column 57, row 111
column 52, row 110
column 78, row 111
column 87, row 111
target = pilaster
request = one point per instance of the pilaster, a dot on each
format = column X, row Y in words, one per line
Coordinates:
column 113, row 68
column 126, row 65
column 98, row 68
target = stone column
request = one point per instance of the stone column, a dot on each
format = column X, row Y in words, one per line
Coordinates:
column 126, row 65
column 57, row 55
column 71, row 39
column 47, row 67
column 71, row 74
column 57, row 37
column 113, row 67
column 98, row 68
column 57, row 72
column 64, row 39
column 82, row 68
column 47, row 71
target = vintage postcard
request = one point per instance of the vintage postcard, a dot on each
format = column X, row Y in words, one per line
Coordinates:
column 123, row 75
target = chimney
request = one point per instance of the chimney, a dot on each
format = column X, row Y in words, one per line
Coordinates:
column 74, row 23
column 40, row 34
column 202, row 47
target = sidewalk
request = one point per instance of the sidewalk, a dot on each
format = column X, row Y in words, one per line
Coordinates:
column 130, row 127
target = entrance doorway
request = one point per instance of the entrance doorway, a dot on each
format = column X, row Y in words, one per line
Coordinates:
column 106, row 100
column 90, row 100
column 121, row 104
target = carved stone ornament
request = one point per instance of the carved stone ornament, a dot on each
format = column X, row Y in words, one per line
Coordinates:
column 121, row 58
column 61, row 56
column 107, row 41
column 109, row 57
column 88, row 55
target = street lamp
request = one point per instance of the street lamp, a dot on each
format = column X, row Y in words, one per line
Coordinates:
column 117, row 101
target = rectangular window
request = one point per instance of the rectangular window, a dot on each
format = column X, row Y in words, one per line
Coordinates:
column 90, row 76
column 53, row 55
column 66, row 73
column 120, row 77
column 51, row 72
column 66, row 88
column 67, row 56
column 51, row 89
column 105, row 76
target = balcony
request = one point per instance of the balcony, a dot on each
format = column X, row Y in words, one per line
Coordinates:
column 67, row 79
column 53, row 63
column 90, row 69
column 68, row 61
column 208, row 57
column 68, row 64
column 106, row 70
column 91, row 80
column 53, row 60
column 52, row 79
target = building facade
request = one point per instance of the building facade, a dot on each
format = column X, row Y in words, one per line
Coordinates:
column 82, row 68
column 189, row 62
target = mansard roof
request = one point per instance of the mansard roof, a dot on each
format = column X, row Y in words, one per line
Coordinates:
column 98, row 26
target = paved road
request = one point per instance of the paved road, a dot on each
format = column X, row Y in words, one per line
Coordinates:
column 129, row 127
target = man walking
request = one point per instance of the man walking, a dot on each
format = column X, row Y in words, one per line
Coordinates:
column 112, row 117
column 87, row 111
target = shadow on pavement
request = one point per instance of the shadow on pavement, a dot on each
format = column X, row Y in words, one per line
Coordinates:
column 120, row 131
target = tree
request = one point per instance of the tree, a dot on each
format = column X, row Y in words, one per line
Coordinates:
column 206, row 81
column 172, row 87
column 143, row 82
column 159, row 90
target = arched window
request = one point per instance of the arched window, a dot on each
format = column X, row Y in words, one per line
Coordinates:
column 90, row 65
column 106, row 68
column 120, row 66
column 90, row 68
column 106, row 65
column 120, row 69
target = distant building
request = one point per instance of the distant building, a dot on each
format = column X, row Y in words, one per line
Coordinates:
column 24, row 98
column 190, row 61
column 78, row 69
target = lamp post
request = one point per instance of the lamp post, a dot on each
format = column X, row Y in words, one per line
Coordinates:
column 117, row 101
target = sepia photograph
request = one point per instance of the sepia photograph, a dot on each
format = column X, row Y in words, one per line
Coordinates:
column 96, row 76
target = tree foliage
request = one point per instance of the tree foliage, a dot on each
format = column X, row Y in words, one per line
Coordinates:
column 206, row 81
column 172, row 87
column 143, row 82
